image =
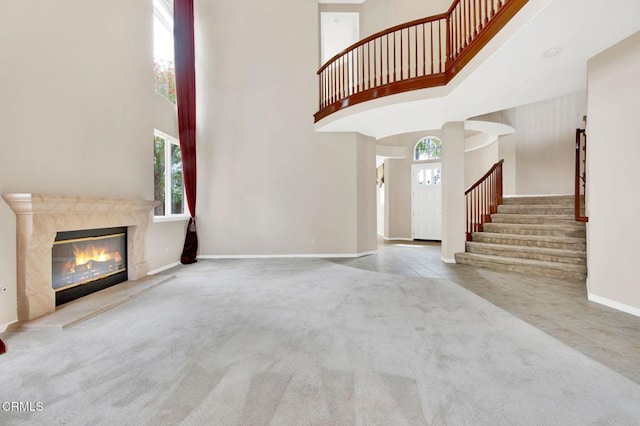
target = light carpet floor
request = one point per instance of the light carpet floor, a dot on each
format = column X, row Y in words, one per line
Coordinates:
column 307, row 342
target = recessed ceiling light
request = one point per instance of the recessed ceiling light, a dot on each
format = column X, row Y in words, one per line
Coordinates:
column 550, row 53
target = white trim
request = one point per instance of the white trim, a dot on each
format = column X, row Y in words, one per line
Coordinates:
column 163, row 268
column 171, row 218
column 447, row 260
column 432, row 160
column 168, row 141
column 613, row 304
column 4, row 327
column 286, row 256
column 397, row 239
column 491, row 140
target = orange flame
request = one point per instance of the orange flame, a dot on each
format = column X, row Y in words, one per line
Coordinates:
column 94, row 252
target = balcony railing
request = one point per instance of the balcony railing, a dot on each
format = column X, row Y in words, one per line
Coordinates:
column 419, row 54
column 580, row 176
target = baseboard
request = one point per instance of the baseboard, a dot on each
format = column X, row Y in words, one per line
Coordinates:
column 447, row 260
column 537, row 195
column 613, row 304
column 4, row 327
column 287, row 256
column 397, row 239
column 163, row 268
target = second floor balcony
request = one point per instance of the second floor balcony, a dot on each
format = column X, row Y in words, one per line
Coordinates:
column 477, row 57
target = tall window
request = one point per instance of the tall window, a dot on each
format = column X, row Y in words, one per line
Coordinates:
column 428, row 148
column 167, row 174
column 163, row 63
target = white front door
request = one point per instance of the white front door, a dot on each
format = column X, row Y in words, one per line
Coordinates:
column 426, row 201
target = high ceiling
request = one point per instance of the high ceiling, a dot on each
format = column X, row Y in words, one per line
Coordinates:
column 516, row 68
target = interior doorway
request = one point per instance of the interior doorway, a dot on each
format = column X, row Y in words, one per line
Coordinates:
column 338, row 30
column 426, row 201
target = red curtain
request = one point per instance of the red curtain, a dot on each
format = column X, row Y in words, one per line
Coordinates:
column 186, row 96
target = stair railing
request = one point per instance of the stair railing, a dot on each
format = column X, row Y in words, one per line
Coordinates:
column 482, row 199
column 580, row 174
column 419, row 54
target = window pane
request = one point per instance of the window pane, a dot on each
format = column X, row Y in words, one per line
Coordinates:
column 429, row 148
column 163, row 55
column 158, row 174
column 177, row 192
column 420, row 149
column 436, row 177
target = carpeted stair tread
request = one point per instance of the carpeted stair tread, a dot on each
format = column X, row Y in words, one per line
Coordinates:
column 547, row 199
column 528, row 266
column 576, row 230
column 528, row 252
column 546, row 238
column 528, row 262
column 540, row 209
column 517, row 218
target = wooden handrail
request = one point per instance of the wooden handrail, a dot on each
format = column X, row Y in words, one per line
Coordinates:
column 419, row 54
column 580, row 174
column 482, row 199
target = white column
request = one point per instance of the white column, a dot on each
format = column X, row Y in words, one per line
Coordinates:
column 453, row 212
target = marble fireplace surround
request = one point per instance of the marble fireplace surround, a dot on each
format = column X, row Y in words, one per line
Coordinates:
column 39, row 217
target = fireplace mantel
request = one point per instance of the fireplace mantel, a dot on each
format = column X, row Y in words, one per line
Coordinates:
column 39, row 217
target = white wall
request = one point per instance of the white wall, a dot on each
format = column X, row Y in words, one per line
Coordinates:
column 544, row 143
column 268, row 184
column 613, row 129
column 377, row 15
column 478, row 162
column 77, row 109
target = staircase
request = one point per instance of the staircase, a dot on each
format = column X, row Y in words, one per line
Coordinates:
column 532, row 235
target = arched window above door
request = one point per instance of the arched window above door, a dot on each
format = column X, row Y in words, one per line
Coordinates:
column 428, row 148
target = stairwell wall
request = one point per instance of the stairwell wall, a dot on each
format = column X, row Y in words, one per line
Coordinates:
column 613, row 131
column 544, row 143
column 478, row 162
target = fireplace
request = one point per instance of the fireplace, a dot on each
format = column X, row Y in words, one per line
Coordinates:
column 83, row 262
column 40, row 218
